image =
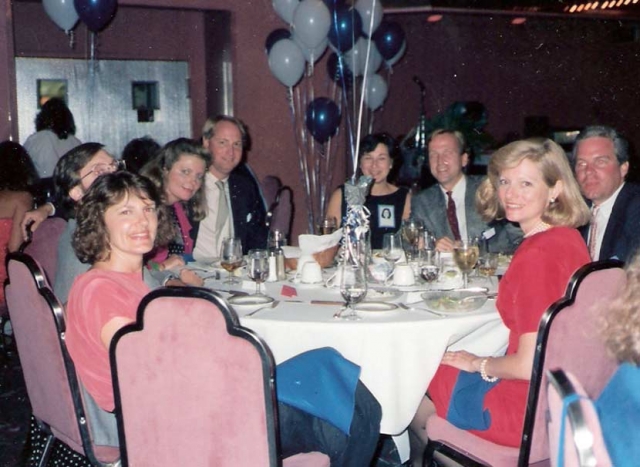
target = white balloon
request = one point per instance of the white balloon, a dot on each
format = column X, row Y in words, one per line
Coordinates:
column 286, row 62
column 311, row 22
column 61, row 12
column 375, row 91
column 312, row 55
column 285, row 9
column 356, row 57
column 398, row 56
column 369, row 9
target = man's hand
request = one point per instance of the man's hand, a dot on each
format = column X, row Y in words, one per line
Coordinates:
column 191, row 278
column 35, row 218
column 444, row 244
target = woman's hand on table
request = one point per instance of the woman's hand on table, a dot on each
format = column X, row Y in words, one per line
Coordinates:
column 462, row 360
column 189, row 277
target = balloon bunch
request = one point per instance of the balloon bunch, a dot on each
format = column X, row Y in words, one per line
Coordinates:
column 361, row 41
column 96, row 14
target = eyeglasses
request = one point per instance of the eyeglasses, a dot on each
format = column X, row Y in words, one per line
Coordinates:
column 102, row 168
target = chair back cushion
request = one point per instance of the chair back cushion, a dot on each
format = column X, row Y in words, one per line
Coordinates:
column 44, row 245
column 37, row 321
column 270, row 186
column 573, row 340
column 191, row 386
column 575, row 436
column 283, row 211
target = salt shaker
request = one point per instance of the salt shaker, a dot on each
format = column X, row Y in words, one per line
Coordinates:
column 273, row 266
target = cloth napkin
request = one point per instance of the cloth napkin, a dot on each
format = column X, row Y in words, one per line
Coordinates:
column 310, row 244
column 467, row 401
column 322, row 383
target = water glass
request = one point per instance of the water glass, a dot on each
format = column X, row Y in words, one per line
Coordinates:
column 412, row 230
column 353, row 287
column 328, row 226
column 258, row 269
column 392, row 247
column 430, row 265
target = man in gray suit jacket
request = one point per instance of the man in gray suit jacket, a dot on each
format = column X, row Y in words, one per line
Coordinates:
column 447, row 159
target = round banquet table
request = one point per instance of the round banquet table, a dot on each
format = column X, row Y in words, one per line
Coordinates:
column 398, row 350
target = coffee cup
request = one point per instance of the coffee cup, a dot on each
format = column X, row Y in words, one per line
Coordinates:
column 402, row 275
column 311, row 273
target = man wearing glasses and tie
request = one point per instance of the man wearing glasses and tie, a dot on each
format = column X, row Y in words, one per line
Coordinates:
column 600, row 159
column 235, row 206
column 447, row 209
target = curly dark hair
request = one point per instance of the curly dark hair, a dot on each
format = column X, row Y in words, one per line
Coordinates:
column 17, row 172
column 56, row 116
column 157, row 168
column 91, row 239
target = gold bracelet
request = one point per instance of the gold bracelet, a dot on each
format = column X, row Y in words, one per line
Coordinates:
column 483, row 372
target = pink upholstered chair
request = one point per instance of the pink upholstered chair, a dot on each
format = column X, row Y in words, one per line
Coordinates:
column 573, row 417
column 39, row 327
column 568, row 337
column 43, row 246
column 193, row 387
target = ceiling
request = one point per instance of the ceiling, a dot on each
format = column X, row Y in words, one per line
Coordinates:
column 614, row 9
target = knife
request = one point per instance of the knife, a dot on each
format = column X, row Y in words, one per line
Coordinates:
column 326, row 302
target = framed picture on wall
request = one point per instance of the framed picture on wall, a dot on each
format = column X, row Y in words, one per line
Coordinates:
column 48, row 88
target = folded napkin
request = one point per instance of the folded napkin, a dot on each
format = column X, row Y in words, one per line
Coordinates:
column 310, row 244
column 466, row 407
column 322, row 383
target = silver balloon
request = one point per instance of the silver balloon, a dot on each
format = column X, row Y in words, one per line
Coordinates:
column 285, row 9
column 356, row 58
column 311, row 22
column 312, row 55
column 375, row 91
column 371, row 14
column 286, row 62
column 61, row 12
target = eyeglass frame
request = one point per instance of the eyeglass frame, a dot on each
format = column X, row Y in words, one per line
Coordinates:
column 117, row 164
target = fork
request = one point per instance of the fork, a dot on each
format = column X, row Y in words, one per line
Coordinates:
column 273, row 304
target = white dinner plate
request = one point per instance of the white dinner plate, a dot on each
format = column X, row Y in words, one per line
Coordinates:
column 383, row 294
column 375, row 308
column 455, row 303
column 250, row 300
column 303, row 285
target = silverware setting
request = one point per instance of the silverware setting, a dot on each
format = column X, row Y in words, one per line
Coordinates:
column 273, row 304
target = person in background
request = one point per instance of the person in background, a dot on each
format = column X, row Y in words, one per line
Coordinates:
column 118, row 222
column 138, row 152
column 54, row 137
column 178, row 172
column 529, row 182
column 387, row 203
column 447, row 209
column 17, row 177
column 600, row 159
column 618, row 405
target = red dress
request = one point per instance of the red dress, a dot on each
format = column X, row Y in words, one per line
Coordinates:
column 537, row 276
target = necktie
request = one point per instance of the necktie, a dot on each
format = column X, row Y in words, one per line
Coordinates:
column 593, row 234
column 451, row 217
column 223, row 207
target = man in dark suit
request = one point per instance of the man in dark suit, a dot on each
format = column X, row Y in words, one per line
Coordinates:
column 447, row 209
column 600, row 158
column 235, row 206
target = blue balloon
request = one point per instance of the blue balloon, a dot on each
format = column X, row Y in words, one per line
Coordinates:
column 389, row 38
column 274, row 36
column 322, row 119
column 338, row 71
column 346, row 28
column 333, row 4
column 96, row 14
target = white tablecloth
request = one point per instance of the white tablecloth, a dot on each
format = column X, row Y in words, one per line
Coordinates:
column 398, row 351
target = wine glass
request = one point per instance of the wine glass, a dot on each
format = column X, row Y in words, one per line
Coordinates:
column 258, row 269
column 465, row 254
column 231, row 256
column 411, row 232
column 392, row 247
column 353, row 287
column 328, row 226
column 430, row 265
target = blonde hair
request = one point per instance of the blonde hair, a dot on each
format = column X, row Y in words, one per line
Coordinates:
column 568, row 209
column 622, row 321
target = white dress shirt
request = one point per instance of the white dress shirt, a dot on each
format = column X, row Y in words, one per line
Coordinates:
column 209, row 239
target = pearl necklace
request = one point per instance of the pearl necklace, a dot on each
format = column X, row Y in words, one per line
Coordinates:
column 539, row 227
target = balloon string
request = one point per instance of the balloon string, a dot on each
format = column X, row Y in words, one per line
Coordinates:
column 299, row 140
